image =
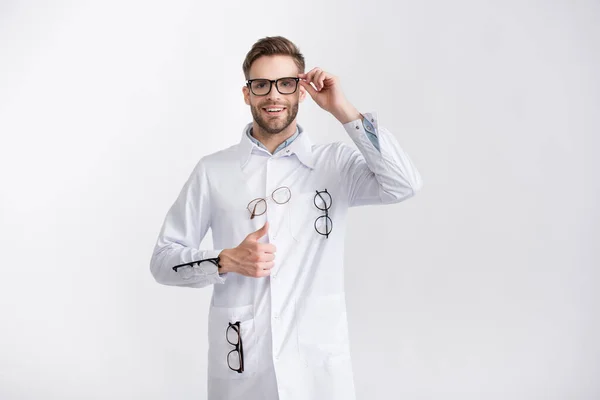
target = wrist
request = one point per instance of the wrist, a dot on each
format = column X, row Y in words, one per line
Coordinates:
column 225, row 261
column 347, row 113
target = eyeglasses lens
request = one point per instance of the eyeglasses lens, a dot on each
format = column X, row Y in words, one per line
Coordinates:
column 285, row 86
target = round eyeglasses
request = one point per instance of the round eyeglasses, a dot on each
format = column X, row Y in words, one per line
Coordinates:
column 262, row 87
column 258, row 206
column 323, row 201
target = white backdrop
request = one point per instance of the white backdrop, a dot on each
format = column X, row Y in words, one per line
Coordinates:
column 483, row 286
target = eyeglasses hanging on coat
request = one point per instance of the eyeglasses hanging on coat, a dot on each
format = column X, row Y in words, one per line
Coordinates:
column 323, row 201
column 258, row 206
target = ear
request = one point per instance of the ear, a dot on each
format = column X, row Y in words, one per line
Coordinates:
column 246, row 93
column 302, row 93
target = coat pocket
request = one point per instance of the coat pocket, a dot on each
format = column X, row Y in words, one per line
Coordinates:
column 322, row 328
column 219, row 347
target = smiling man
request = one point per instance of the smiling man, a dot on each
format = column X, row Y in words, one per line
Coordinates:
column 277, row 206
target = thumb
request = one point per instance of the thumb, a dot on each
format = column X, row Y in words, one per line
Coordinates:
column 311, row 90
column 259, row 233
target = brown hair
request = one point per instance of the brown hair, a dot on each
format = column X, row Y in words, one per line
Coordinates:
column 273, row 45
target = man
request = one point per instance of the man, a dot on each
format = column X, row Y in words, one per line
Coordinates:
column 277, row 204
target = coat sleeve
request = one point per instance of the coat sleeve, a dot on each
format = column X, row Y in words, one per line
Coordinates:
column 183, row 229
column 382, row 174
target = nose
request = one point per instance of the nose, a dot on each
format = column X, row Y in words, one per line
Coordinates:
column 273, row 93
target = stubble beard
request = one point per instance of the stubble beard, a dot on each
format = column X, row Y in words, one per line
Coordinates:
column 274, row 126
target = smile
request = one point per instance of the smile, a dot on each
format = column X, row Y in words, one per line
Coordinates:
column 274, row 110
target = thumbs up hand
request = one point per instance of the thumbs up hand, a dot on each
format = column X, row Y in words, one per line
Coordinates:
column 250, row 258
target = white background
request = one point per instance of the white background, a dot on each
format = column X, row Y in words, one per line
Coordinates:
column 483, row 286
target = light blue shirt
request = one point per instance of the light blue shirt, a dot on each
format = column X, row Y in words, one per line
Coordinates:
column 286, row 143
column 369, row 130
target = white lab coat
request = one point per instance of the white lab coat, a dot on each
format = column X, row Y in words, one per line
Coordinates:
column 293, row 324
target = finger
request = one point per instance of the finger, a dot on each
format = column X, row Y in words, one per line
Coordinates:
column 268, row 248
column 259, row 233
column 311, row 74
column 305, row 74
column 330, row 79
column 324, row 76
column 267, row 265
column 319, row 78
column 267, row 257
column 263, row 257
column 263, row 273
column 311, row 90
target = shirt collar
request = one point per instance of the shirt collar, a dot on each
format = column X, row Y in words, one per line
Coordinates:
column 301, row 146
column 283, row 145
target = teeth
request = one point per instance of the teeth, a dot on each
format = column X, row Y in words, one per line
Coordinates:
column 274, row 109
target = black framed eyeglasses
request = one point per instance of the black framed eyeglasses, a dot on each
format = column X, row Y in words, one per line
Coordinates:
column 192, row 263
column 235, row 358
column 323, row 201
column 262, row 87
column 258, row 206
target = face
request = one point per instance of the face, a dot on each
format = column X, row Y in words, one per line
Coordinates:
column 274, row 67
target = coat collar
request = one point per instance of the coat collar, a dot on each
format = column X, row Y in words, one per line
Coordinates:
column 301, row 146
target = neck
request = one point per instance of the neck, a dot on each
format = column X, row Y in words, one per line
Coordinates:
column 273, row 140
